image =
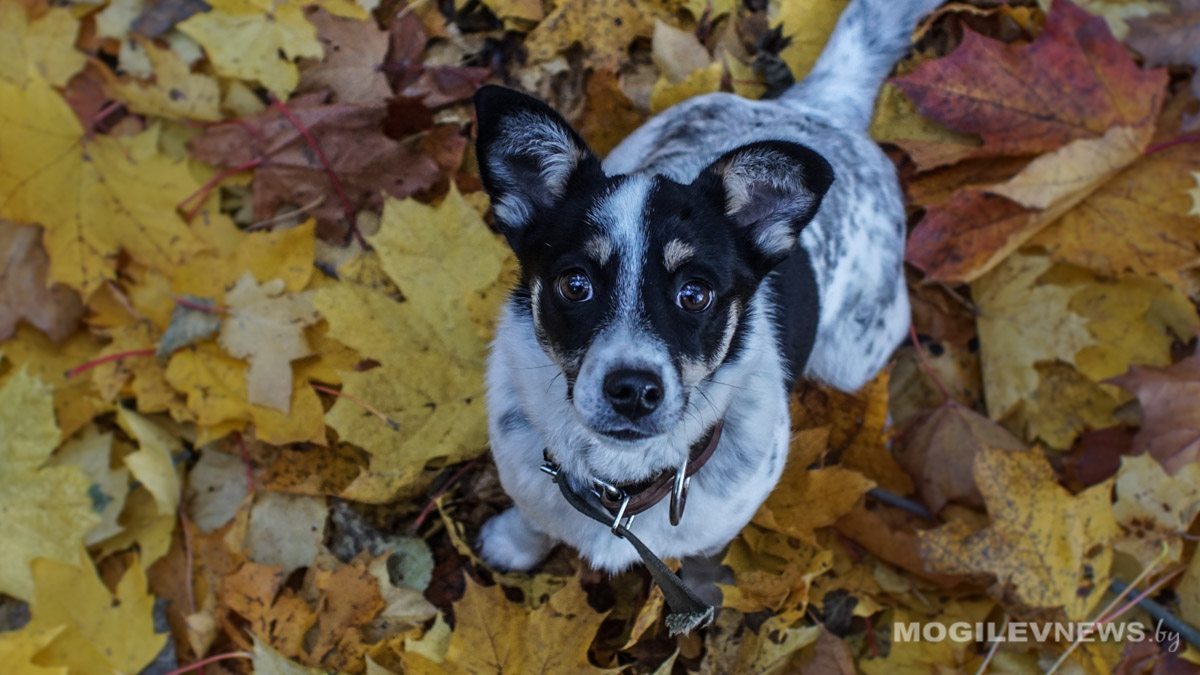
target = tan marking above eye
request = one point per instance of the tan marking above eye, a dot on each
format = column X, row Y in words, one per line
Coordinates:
column 599, row 248
column 676, row 253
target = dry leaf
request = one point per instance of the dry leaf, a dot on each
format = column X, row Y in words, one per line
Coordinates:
column 1045, row 547
column 266, row 328
column 47, row 510
column 1170, row 399
column 25, row 291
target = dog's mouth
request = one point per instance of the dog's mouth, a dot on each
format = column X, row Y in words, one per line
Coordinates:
column 626, row 435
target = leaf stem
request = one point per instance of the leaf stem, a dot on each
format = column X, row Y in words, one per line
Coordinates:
column 207, row 309
column 212, row 659
column 187, row 552
column 1158, row 147
column 337, row 184
column 84, row 367
column 438, row 495
column 395, row 426
column 912, row 331
column 202, row 193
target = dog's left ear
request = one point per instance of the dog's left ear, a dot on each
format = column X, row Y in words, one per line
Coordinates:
column 527, row 155
column 772, row 189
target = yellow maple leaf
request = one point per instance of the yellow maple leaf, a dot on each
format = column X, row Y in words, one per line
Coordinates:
column 1032, row 311
column 448, row 265
column 1046, row 547
column 18, row 649
column 604, row 28
column 105, row 632
column 256, row 40
column 175, row 93
column 1141, row 220
column 231, row 252
column 44, row 48
column 771, row 570
column 808, row 23
column 267, row 328
column 1154, row 507
column 806, row 499
column 215, row 386
column 153, row 463
column 95, row 196
column 494, row 635
column 141, row 524
column 76, row 401
column 92, row 453
column 47, row 510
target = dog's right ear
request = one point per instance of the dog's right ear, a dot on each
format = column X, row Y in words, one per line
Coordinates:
column 527, row 155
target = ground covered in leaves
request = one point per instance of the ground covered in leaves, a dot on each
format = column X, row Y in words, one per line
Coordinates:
column 247, row 283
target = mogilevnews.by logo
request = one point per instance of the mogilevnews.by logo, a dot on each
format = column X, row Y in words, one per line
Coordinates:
column 1019, row 631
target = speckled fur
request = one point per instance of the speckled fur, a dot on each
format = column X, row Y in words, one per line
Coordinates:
column 855, row 245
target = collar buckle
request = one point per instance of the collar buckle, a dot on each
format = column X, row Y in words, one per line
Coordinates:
column 612, row 493
column 679, row 493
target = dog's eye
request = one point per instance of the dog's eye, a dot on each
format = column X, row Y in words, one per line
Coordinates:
column 695, row 296
column 575, row 286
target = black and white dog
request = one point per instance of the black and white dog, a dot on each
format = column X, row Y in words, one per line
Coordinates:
column 664, row 303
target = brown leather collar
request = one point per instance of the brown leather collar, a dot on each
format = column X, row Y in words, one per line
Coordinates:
column 645, row 494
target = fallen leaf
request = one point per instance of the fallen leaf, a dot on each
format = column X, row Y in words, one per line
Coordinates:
column 771, row 571
column 806, row 499
column 353, row 64
column 91, row 451
column 105, row 632
column 1005, row 93
column 1032, row 311
column 611, row 116
column 350, row 598
column 1155, row 508
column 807, row 24
column 940, row 450
column 215, row 386
column 153, row 464
column 1151, row 193
column 141, row 525
column 996, row 220
column 43, row 48
column 95, row 196
column 266, row 328
column 255, row 40
column 1170, row 39
column 291, row 174
column 830, row 657
column 286, row 530
column 267, row 661
column 19, row 648
column 495, row 636
column 76, row 401
column 604, row 29
column 1045, row 547
column 36, row 500
column 189, row 325
column 25, row 291
column 1170, row 401
column 176, row 93
column 216, row 486
column 440, row 270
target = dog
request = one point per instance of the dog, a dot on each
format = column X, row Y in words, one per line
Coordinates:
column 672, row 294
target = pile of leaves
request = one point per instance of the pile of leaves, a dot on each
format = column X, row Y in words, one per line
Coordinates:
column 248, row 283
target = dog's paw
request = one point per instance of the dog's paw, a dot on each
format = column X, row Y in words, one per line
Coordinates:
column 507, row 542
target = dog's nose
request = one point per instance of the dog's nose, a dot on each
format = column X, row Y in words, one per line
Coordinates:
column 633, row 393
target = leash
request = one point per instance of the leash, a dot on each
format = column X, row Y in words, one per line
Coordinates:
column 598, row 501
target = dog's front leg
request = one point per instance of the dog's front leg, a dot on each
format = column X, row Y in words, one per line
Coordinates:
column 509, row 542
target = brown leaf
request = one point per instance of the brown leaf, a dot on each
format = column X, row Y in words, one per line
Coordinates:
column 367, row 163
column 1171, row 39
column 1170, row 399
column 939, row 451
column 350, row 598
column 24, row 294
column 1074, row 81
column 353, row 65
column 831, row 656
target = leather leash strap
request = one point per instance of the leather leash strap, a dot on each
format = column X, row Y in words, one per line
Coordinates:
column 688, row 612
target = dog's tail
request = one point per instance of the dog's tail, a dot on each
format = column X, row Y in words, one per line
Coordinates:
column 870, row 36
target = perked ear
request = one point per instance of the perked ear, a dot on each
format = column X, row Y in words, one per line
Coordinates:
column 772, row 190
column 527, row 155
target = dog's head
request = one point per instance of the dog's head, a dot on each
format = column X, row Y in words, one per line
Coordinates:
column 637, row 285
